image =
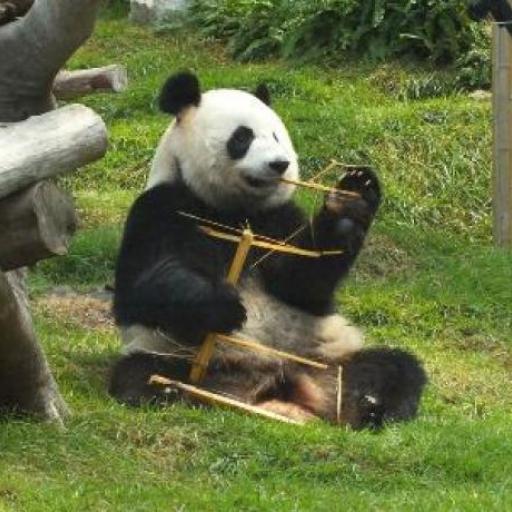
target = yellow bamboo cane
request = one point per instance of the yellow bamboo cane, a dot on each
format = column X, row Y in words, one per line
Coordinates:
column 200, row 363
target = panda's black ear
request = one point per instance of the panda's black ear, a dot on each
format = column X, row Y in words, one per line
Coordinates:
column 179, row 91
column 262, row 92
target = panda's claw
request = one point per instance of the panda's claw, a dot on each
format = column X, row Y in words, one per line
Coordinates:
column 365, row 182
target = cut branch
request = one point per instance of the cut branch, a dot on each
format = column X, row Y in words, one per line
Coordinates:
column 71, row 84
column 37, row 223
column 26, row 383
column 50, row 144
column 34, row 49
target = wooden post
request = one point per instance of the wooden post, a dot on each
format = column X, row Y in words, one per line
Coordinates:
column 502, row 106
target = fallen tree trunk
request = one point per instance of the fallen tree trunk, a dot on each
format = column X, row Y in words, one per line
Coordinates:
column 49, row 144
column 37, row 223
column 71, row 84
column 26, row 383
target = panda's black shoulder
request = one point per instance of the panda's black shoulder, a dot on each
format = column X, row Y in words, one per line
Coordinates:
column 159, row 204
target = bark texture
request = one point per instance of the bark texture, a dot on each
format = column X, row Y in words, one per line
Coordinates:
column 49, row 144
column 37, row 223
column 32, row 51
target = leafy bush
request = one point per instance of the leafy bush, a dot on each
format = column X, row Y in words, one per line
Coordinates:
column 439, row 30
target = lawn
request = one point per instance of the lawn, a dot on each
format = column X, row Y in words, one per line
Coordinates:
column 429, row 281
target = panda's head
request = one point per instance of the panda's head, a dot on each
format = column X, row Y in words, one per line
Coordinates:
column 227, row 145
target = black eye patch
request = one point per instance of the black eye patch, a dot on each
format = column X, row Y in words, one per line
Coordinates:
column 240, row 142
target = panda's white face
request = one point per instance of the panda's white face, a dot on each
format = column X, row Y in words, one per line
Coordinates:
column 231, row 150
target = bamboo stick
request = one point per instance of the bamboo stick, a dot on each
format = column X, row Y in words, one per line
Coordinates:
column 332, row 165
column 200, row 364
column 339, row 391
column 258, row 347
column 213, row 398
column 278, row 247
column 322, row 188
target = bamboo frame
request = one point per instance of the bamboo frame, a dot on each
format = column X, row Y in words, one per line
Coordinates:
column 258, row 347
column 245, row 240
column 339, row 393
column 278, row 246
column 200, row 363
column 208, row 397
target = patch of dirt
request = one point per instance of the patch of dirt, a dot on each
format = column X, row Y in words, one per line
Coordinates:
column 478, row 342
column 382, row 257
column 89, row 310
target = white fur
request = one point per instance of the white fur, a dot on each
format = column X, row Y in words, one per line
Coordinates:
column 198, row 142
column 270, row 322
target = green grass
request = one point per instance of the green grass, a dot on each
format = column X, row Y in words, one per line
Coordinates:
column 429, row 281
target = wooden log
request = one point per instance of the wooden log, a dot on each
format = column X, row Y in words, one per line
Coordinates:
column 34, row 49
column 26, row 383
column 502, row 106
column 72, row 84
column 12, row 9
column 36, row 223
column 50, row 144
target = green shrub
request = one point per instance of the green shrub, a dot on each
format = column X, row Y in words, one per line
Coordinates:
column 438, row 30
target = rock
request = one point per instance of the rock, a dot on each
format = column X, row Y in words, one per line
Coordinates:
column 153, row 11
column 480, row 95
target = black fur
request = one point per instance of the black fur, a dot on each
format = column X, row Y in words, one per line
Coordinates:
column 179, row 92
column 262, row 92
column 342, row 223
column 381, row 385
column 130, row 376
column 239, row 142
column 170, row 275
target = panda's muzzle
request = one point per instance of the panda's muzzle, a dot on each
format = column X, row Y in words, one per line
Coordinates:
column 277, row 168
column 260, row 182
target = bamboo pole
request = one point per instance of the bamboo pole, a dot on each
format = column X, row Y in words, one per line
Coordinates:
column 258, row 347
column 274, row 246
column 321, row 188
column 502, row 106
column 213, row 398
column 200, row 363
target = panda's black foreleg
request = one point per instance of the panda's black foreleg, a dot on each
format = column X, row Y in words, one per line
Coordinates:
column 341, row 224
column 343, row 221
column 175, row 299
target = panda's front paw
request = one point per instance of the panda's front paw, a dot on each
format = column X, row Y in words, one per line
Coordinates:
column 227, row 313
column 347, row 217
column 363, row 183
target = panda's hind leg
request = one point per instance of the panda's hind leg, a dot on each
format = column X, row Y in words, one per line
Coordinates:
column 381, row 385
column 297, row 396
column 129, row 378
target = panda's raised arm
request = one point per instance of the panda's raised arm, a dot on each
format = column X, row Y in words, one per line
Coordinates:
column 310, row 283
column 158, row 286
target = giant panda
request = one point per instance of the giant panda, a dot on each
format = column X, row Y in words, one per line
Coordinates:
column 222, row 159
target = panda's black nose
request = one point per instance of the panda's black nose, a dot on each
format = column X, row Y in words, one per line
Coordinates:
column 279, row 166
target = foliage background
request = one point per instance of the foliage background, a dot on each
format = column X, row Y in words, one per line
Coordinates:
column 330, row 31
